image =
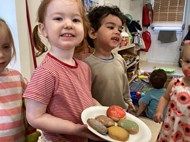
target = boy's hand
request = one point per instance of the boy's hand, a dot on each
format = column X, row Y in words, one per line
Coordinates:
column 131, row 106
column 132, row 109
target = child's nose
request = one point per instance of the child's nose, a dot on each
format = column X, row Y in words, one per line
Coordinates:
column 68, row 24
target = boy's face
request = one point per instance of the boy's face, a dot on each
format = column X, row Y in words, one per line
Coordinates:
column 108, row 35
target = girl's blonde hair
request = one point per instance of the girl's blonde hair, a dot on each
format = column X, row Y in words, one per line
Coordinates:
column 41, row 48
column 4, row 29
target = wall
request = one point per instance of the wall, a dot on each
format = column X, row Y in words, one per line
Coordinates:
column 164, row 53
column 24, row 41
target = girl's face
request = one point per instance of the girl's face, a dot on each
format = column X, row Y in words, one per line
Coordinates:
column 5, row 50
column 185, row 61
column 108, row 35
column 63, row 25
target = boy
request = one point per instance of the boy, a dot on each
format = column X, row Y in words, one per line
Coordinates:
column 109, row 74
column 150, row 101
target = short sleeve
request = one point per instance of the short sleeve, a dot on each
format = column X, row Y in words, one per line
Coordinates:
column 41, row 86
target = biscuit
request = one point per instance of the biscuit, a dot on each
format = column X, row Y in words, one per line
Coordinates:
column 118, row 133
column 129, row 125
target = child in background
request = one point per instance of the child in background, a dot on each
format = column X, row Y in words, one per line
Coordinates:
column 12, row 86
column 60, row 88
column 109, row 74
column 149, row 102
column 176, row 125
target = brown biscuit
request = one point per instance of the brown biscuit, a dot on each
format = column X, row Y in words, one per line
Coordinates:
column 106, row 121
column 98, row 126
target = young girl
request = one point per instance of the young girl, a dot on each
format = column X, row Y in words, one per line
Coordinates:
column 109, row 74
column 176, row 126
column 12, row 86
column 13, row 124
column 60, row 88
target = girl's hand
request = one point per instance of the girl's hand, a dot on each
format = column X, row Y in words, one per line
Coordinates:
column 82, row 131
column 158, row 117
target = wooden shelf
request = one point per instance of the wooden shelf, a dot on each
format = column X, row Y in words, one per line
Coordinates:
column 134, row 76
column 133, row 66
column 133, row 63
column 125, row 47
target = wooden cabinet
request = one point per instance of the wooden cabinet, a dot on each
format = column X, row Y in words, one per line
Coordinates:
column 131, row 54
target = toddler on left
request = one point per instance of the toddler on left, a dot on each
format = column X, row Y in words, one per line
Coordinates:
column 13, row 126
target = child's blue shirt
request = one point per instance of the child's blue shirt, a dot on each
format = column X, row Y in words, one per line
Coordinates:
column 151, row 99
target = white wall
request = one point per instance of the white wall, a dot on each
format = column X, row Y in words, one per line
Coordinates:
column 164, row 53
column 26, row 60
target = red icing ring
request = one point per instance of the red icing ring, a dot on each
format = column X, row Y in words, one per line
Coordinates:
column 116, row 112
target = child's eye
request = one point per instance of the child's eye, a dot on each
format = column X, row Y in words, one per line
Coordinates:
column 186, row 61
column 111, row 27
column 58, row 18
column 76, row 20
column 6, row 46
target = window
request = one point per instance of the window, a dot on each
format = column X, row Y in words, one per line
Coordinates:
column 169, row 13
column 168, row 10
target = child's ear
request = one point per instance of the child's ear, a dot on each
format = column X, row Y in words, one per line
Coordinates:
column 92, row 33
column 42, row 29
column 181, row 61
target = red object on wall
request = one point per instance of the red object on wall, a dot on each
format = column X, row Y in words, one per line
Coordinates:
column 147, row 15
column 147, row 40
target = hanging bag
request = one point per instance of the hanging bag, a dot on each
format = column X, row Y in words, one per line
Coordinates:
column 147, row 40
column 138, row 40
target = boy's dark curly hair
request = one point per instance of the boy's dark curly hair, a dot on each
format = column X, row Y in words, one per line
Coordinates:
column 98, row 13
column 158, row 78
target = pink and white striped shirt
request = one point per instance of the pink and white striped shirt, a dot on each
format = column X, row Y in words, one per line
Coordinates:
column 12, row 86
column 65, row 89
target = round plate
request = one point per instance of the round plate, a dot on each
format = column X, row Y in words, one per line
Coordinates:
column 144, row 134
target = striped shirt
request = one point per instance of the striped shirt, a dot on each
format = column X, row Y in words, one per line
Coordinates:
column 65, row 89
column 11, row 111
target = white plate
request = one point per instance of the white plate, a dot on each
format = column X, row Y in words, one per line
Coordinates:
column 144, row 134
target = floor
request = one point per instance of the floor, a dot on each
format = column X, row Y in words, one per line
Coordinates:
column 149, row 67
